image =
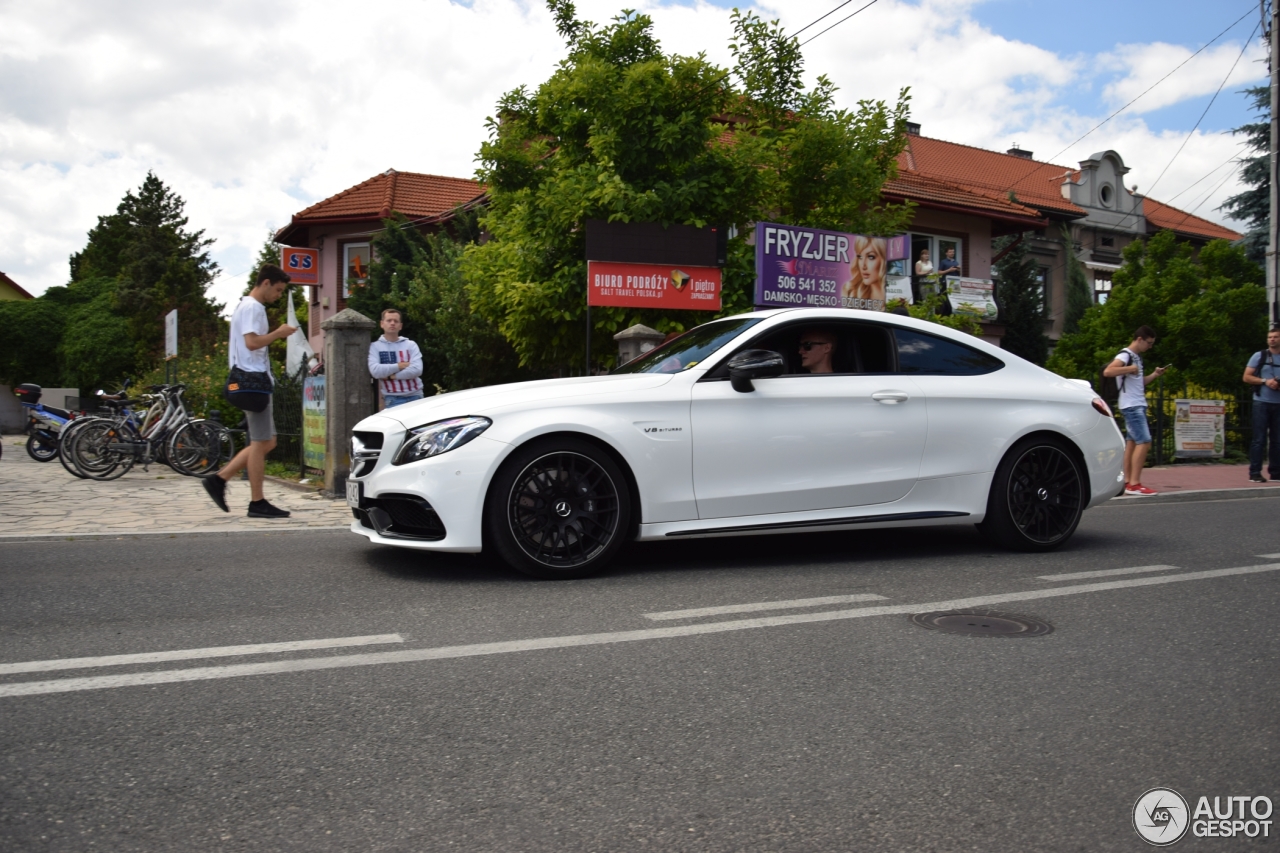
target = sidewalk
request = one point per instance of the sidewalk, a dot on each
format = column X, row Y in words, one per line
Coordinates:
column 1201, row 481
column 43, row 501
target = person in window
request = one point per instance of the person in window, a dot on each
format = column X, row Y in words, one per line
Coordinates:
column 924, row 266
column 817, row 347
column 866, row 286
column 949, row 264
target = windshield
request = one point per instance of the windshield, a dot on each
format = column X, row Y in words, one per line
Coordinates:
column 689, row 349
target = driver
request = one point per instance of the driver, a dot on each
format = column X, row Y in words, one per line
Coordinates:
column 817, row 346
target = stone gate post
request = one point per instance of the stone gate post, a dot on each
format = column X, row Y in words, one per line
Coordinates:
column 349, row 391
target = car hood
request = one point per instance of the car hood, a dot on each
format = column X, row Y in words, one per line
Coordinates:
column 544, row 392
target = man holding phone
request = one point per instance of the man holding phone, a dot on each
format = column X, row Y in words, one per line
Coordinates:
column 1127, row 368
column 1264, row 375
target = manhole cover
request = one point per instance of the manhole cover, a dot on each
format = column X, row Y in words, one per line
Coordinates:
column 980, row 623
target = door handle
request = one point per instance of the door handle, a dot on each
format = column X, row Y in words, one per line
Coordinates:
column 890, row 398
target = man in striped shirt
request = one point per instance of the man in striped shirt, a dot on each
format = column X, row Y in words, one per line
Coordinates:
column 396, row 362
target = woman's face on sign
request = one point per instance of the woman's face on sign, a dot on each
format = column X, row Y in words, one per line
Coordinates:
column 871, row 263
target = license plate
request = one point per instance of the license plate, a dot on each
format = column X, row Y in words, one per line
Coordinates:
column 353, row 493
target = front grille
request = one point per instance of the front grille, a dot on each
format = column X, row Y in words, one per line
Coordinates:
column 365, row 449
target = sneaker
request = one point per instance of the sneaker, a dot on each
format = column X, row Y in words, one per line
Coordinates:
column 1139, row 490
column 1257, row 478
column 263, row 509
column 217, row 489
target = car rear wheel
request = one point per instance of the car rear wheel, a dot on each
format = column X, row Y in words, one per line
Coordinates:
column 558, row 509
column 1037, row 496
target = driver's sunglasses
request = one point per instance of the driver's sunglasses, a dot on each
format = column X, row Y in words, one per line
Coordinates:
column 808, row 345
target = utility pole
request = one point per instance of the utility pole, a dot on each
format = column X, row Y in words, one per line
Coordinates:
column 1273, row 243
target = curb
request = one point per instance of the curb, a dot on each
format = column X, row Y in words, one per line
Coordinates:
column 1185, row 495
column 133, row 534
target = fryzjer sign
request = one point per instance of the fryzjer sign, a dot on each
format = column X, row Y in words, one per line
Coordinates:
column 653, row 286
column 813, row 268
column 302, row 265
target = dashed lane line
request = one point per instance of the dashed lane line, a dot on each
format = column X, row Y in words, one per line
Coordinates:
column 762, row 605
column 69, row 685
column 194, row 654
column 1107, row 573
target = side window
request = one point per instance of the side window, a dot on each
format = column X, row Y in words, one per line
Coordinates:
column 927, row 354
column 859, row 347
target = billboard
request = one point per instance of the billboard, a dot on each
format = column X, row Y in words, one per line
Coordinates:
column 653, row 286
column 973, row 296
column 1198, row 428
column 810, row 267
column 313, row 422
column 302, row 265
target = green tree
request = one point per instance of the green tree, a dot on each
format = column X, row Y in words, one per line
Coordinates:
column 1253, row 206
column 399, row 249
column 1079, row 296
column 25, row 352
column 623, row 132
column 1208, row 313
column 1021, row 302
column 158, row 265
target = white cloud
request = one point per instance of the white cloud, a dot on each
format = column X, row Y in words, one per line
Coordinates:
column 252, row 111
column 1144, row 64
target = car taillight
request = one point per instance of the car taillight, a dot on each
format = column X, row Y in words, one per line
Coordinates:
column 1102, row 407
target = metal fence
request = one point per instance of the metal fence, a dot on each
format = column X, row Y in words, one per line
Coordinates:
column 1160, row 414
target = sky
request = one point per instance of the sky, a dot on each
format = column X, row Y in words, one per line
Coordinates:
column 253, row 111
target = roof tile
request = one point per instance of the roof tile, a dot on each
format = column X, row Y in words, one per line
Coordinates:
column 411, row 193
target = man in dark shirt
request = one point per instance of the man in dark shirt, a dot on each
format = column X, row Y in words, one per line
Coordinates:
column 1264, row 375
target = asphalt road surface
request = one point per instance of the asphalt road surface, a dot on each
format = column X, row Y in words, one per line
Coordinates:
column 314, row 692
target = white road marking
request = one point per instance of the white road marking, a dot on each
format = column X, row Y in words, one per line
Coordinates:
column 1106, row 573
column 762, row 605
column 1267, row 556
column 68, row 685
column 191, row 654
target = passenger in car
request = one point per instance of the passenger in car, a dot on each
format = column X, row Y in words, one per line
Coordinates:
column 817, row 348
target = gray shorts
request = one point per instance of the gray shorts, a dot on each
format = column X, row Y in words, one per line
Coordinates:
column 262, row 425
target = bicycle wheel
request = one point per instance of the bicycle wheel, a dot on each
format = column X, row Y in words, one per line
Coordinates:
column 66, row 445
column 200, row 447
column 104, row 451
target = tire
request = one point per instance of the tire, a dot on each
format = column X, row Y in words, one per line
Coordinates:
column 1037, row 496
column 42, row 447
column 199, row 447
column 95, row 459
column 67, row 443
column 558, row 509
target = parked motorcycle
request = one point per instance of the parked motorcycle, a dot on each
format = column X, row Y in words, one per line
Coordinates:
column 44, row 423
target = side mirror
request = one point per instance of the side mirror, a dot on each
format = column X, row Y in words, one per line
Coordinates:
column 754, row 364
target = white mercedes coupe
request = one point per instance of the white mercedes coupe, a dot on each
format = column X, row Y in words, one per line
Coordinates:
column 722, row 432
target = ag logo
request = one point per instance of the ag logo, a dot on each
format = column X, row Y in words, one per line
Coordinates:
column 1161, row 817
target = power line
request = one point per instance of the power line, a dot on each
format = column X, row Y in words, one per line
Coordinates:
column 837, row 23
column 1134, row 101
column 829, row 14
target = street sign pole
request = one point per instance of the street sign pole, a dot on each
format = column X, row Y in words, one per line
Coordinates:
column 1273, row 242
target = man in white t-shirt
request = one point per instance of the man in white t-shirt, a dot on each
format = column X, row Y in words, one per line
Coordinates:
column 248, row 351
column 1128, row 372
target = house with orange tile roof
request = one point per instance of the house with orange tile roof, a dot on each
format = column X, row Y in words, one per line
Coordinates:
column 343, row 226
column 967, row 196
column 9, row 289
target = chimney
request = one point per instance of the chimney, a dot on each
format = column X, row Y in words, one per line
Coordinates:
column 1018, row 152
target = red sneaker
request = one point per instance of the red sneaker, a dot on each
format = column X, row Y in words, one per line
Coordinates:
column 1139, row 489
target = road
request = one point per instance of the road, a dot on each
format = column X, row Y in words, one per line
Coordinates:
column 447, row 704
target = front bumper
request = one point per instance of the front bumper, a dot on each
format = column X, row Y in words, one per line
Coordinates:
column 435, row 504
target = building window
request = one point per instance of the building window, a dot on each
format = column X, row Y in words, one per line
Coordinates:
column 1107, row 242
column 1042, row 285
column 1101, row 288
column 355, row 257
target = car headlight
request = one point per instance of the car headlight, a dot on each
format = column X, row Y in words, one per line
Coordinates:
column 439, row 437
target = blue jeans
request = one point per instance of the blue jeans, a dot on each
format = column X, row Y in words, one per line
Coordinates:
column 400, row 399
column 1266, row 419
column 1135, row 425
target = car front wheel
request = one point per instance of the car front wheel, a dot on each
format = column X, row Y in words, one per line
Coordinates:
column 1037, row 496
column 558, row 509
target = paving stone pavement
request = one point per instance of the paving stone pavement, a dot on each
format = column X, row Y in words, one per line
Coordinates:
column 41, row 500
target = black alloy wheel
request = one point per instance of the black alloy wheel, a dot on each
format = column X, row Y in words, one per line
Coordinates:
column 559, row 510
column 1037, row 497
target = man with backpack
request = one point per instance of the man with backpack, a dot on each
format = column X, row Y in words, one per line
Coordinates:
column 1127, row 369
column 1264, row 375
